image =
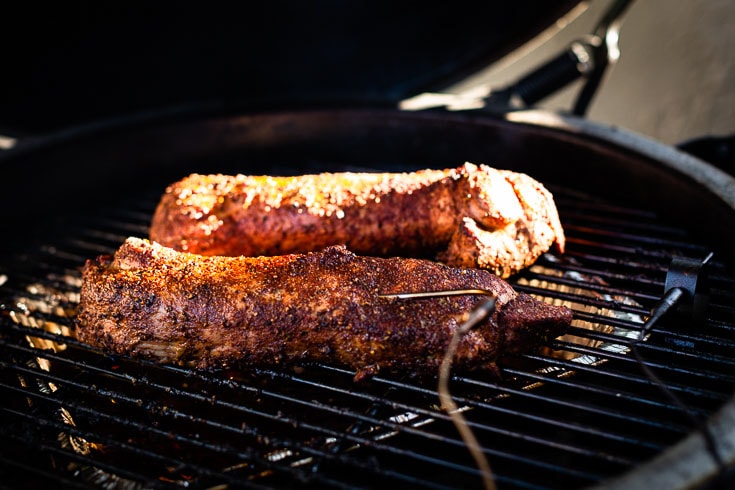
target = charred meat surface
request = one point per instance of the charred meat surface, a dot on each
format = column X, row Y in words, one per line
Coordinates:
column 153, row 302
column 471, row 216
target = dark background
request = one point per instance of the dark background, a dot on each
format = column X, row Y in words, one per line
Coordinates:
column 69, row 63
column 75, row 63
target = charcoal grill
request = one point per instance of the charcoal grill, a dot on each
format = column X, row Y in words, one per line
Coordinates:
column 583, row 412
column 579, row 414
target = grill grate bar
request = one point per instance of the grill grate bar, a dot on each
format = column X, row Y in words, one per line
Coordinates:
column 580, row 201
column 69, row 455
column 675, row 369
column 595, row 319
column 103, row 241
column 610, row 247
column 326, row 432
column 17, row 471
column 110, row 230
column 138, row 382
column 120, row 470
column 88, row 249
column 649, row 246
column 599, row 288
column 630, row 396
column 525, row 394
column 502, row 389
column 543, row 424
column 565, row 197
column 610, row 269
column 722, row 310
column 723, row 327
column 82, row 387
column 645, row 243
column 478, row 426
column 634, row 225
column 585, row 407
column 598, row 335
column 678, row 339
column 672, row 369
column 323, row 455
column 585, row 300
column 217, row 448
column 675, row 341
column 139, row 451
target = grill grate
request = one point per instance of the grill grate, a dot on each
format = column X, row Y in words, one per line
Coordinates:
column 575, row 414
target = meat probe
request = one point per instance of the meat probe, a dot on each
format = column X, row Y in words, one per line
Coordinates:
column 469, row 320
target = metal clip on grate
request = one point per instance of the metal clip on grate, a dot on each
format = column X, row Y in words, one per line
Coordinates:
column 685, row 293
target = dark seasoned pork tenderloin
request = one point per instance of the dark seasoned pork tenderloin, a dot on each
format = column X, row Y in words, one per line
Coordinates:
column 152, row 302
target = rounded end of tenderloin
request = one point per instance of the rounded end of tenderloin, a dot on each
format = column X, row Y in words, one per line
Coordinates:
column 527, row 323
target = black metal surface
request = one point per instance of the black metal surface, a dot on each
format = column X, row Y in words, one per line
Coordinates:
column 588, row 57
column 75, row 417
column 72, row 64
column 717, row 150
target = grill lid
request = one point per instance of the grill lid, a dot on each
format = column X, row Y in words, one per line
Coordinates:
column 76, row 63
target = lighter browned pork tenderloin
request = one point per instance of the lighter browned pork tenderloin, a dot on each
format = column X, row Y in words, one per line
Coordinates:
column 152, row 302
column 470, row 216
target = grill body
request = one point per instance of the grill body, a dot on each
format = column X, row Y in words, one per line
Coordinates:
column 577, row 414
